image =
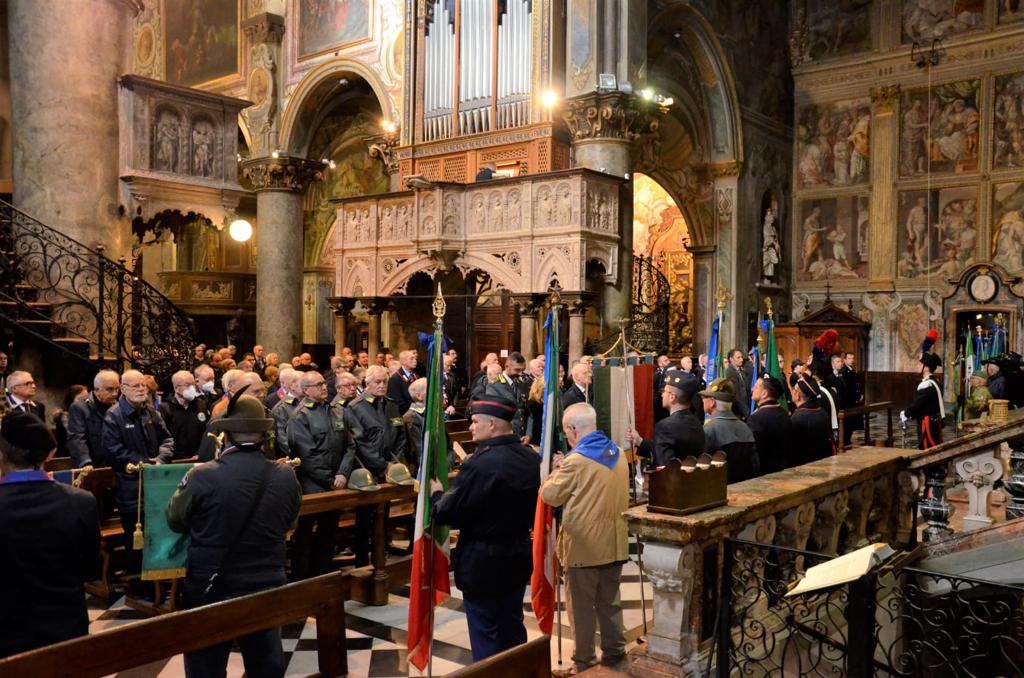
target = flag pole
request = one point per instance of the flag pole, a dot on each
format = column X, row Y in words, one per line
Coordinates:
column 439, row 308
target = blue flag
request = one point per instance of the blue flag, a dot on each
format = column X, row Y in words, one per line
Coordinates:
column 756, row 356
column 714, row 362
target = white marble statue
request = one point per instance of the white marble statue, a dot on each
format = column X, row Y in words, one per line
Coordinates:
column 770, row 250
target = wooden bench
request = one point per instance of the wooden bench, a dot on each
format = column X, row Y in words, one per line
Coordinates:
column 529, row 660
column 139, row 643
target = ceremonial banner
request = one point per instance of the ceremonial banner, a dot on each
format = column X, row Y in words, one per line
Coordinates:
column 755, row 375
column 165, row 552
column 714, row 368
column 771, row 359
column 429, row 583
column 542, row 581
column 616, row 388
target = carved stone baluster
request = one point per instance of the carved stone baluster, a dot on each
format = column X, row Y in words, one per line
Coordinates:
column 750, row 567
column 908, row 484
column 978, row 473
column 828, row 519
column 933, row 507
column 881, row 525
column 672, row 571
column 1015, row 483
column 860, row 501
column 794, row 527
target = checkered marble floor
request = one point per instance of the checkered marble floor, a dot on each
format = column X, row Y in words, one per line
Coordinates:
column 376, row 635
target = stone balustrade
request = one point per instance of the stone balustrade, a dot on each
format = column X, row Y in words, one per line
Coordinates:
column 831, row 506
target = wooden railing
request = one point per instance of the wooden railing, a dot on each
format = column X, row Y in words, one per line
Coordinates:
column 529, row 660
column 139, row 643
column 831, row 506
column 865, row 411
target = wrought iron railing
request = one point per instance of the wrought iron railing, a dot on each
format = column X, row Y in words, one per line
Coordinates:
column 648, row 327
column 898, row 622
column 87, row 295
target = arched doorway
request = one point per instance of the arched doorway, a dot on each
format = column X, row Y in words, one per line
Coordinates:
column 660, row 235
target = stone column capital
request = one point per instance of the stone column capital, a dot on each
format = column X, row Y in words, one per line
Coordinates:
column 282, row 173
column 264, row 27
column 529, row 303
column 884, row 98
column 341, row 306
column 375, row 305
column 577, row 303
column 614, row 116
column 382, row 147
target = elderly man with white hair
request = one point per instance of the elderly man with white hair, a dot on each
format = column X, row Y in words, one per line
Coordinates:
column 591, row 483
column 85, row 421
column 22, row 388
column 254, row 386
column 186, row 413
column 579, row 391
column 206, row 382
column 291, row 382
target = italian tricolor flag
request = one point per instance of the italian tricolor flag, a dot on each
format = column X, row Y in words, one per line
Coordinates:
column 430, row 555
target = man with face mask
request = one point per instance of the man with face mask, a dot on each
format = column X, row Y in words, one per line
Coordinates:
column 206, row 383
column 186, row 414
column 85, row 421
column 134, row 433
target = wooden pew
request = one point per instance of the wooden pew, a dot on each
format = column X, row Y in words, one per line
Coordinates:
column 529, row 660
column 139, row 643
column 100, row 484
column 369, row 585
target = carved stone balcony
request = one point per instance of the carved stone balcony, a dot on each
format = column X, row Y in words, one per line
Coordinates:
column 524, row 232
column 200, row 293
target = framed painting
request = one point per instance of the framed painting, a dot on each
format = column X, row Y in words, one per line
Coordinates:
column 836, row 29
column 937, row 232
column 1008, row 122
column 925, row 20
column 201, row 40
column 1008, row 226
column 833, row 238
column 940, row 134
column 324, row 25
column 833, row 144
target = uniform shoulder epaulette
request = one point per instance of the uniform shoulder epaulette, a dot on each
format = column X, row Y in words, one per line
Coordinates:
column 290, row 400
column 310, row 404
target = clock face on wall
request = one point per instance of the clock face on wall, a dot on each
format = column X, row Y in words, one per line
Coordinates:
column 983, row 288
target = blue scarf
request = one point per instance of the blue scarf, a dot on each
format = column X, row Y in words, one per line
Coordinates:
column 35, row 476
column 598, row 447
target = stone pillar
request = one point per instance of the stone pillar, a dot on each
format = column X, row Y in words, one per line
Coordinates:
column 577, row 306
column 884, row 158
column 342, row 307
column 704, row 296
column 280, row 184
column 65, row 58
column 374, row 306
column 264, row 32
column 528, row 305
column 673, row 570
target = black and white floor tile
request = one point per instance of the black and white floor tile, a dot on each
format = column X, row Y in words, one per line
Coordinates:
column 376, row 635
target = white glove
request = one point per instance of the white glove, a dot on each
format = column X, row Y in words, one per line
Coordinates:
column 903, row 416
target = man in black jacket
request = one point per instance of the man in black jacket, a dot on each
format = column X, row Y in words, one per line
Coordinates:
column 237, row 510
column 49, row 542
column 398, row 384
column 680, row 434
column 134, row 433
column 773, row 432
column 811, row 429
column 186, row 414
column 377, row 434
column 580, row 390
column 492, row 503
column 927, row 407
column 316, row 435
column 85, row 421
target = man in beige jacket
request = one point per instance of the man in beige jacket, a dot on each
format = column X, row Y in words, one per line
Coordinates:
column 592, row 483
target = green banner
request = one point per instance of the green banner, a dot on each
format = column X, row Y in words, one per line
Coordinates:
column 165, row 552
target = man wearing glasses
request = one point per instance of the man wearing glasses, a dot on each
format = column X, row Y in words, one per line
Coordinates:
column 316, row 435
column 134, row 433
column 22, row 393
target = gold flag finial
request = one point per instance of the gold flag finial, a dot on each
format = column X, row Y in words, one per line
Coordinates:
column 768, row 303
column 439, row 305
column 1000, row 319
column 723, row 296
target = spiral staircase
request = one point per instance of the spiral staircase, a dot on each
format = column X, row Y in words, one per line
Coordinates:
column 80, row 309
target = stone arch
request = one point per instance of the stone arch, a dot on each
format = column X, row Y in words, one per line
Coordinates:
column 300, row 117
column 555, row 265
column 423, row 264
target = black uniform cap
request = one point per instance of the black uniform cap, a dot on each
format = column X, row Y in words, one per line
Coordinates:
column 681, row 381
column 27, row 431
column 494, row 406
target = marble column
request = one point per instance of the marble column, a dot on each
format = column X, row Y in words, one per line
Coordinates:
column 528, row 305
column 884, row 158
column 375, row 307
column 280, row 184
column 342, row 307
column 577, row 305
column 65, row 58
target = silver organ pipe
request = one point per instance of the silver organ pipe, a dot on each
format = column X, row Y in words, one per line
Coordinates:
column 439, row 70
column 514, row 59
column 476, row 62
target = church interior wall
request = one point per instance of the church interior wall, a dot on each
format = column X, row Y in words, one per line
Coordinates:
column 889, row 232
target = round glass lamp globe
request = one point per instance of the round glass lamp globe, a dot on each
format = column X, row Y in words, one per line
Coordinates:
column 240, row 230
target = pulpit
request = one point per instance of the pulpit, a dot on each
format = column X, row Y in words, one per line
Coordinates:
column 796, row 340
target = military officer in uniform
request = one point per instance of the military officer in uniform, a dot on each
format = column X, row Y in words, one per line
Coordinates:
column 378, row 438
column 348, row 389
column 773, row 433
column 237, row 510
column 996, row 379
column 680, row 434
column 284, row 409
column 316, row 435
column 492, row 503
column 927, row 407
column 812, row 431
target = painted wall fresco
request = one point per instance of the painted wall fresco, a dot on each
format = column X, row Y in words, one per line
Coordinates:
column 1008, row 122
column 951, row 115
column 1011, row 11
column 660, row 233
column 925, row 20
column 1008, row 226
column 911, row 326
column 324, row 24
column 938, row 234
column 837, row 29
column 834, row 144
column 833, row 238
column 201, row 40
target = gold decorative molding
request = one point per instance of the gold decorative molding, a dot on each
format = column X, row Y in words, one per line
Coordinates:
column 610, row 115
column 884, row 98
column 264, row 27
column 720, row 170
column 282, row 174
column 382, row 147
